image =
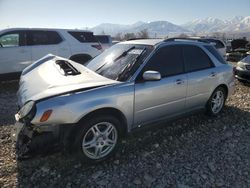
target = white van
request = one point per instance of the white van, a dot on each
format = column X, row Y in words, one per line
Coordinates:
column 22, row 46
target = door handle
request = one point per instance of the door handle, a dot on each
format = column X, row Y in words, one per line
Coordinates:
column 212, row 74
column 179, row 81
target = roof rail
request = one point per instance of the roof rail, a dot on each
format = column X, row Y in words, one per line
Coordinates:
column 188, row 39
column 141, row 38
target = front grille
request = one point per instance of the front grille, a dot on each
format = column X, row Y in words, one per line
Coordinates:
column 248, row 67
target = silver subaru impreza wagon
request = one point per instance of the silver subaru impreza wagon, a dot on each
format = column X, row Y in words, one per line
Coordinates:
column 88, row 108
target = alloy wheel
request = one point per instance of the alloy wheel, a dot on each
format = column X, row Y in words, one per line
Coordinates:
column 99, row 140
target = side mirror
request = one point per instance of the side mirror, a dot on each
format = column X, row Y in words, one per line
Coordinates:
column 151, row 76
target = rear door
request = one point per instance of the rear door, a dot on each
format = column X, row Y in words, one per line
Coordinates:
column 43, row 43
column 164, row 98
column 14, row 54
column 202, row 76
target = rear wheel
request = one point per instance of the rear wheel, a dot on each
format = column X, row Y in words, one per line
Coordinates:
column 98, row 139
column 216, row 101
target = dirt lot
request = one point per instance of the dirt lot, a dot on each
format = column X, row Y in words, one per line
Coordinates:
column 193, row 152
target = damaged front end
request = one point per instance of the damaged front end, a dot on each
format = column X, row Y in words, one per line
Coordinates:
column 30, row 139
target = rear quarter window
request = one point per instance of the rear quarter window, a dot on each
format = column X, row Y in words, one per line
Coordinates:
column 103, row 39
column 83, row 36
column 218, row 43
column 216, row 54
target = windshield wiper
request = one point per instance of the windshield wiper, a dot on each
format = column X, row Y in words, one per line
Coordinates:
column 116, row 59
column 124, row 53
column 130, row 65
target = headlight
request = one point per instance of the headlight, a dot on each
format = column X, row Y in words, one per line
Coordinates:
column 28, row 110
column 241, row 65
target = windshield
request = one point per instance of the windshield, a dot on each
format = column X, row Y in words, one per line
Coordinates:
column 120, row 61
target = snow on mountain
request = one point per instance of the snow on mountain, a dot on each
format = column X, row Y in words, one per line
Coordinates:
column 246, row 20
column 159, row 28
column 162, row 28
column 208, row 25
column 205, row 25
column 109, row 28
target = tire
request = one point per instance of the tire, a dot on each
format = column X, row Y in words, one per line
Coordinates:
column 98, row 139
column 216, row 102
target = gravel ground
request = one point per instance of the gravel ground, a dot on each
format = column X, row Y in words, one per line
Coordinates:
column 193, row 152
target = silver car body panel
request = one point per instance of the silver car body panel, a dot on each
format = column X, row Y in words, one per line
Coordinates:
column 139, row 102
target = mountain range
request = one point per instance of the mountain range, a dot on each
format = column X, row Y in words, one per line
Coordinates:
column 238, row 24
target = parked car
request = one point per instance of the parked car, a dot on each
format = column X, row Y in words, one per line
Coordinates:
column 236, row 55
column 21, row 47
column 243, row 69
column 105, row 40
column 228, row 46
column 130, row 85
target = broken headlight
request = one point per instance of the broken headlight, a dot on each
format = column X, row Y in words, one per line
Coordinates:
column 27, row 112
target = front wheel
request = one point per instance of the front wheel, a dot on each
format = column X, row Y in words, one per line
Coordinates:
column 216, row 101
column 98, row 139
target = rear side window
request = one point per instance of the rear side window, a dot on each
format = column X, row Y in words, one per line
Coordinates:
column 216, row 54
column 43, row 37
column 83, row 36
column 102, row 39
column 218, row 43
column 167, row 61
column 196, row 59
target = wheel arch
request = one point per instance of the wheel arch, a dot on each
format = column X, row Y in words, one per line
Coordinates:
column 107, row 111
column 224, row 86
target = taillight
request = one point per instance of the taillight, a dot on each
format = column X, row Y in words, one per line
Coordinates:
column 97, row 46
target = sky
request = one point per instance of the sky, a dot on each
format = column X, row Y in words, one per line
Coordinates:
column 89, row 13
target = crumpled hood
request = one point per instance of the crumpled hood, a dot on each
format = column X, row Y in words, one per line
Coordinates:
column 45, row 79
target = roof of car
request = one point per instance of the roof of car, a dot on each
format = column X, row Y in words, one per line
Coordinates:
column 154, row 42
column 45, row 29
column 144, row 41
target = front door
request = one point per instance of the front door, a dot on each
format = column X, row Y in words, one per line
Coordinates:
column 165, row 98
column 14, row 54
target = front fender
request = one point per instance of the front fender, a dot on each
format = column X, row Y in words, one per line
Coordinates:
column 70, row 108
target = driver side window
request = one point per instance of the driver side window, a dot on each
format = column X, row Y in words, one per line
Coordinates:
column 10, row 40
column 167, row 60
